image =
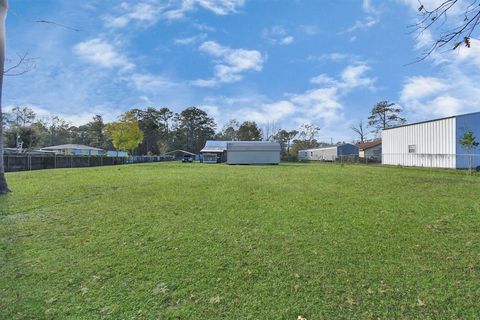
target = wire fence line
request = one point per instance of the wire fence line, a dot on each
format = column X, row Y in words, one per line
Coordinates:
column 26, row 162
column 430, row 160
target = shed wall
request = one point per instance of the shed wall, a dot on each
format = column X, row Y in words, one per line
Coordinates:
column 253, row 157
column 433, row 143
column 465, row 123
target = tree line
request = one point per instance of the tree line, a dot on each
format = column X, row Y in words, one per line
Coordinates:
column 144, row 131
column 155, row 131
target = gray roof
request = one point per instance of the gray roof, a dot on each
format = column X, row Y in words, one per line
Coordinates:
column 221, row 146
column 215, row 146
column 253, row 146
column 71, row 146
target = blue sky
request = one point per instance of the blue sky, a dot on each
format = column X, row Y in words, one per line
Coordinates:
column 288, row 62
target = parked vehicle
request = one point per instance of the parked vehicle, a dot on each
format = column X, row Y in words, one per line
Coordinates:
column 187, row 158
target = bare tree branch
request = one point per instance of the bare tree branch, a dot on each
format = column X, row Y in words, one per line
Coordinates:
column 449, row 37
column 44, row 21
column 24, row 63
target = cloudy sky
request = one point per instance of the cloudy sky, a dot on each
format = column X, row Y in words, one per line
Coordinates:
column 288, row 62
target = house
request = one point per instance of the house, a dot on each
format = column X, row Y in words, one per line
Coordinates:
column 331, row 153
column 370, row 150
column 241, row 152
column 75, row 149
column 433, row 143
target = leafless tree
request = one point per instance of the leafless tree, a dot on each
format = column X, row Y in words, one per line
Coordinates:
column 360, row 131
column 22, row 66
column 3, row 16
column 451, row 34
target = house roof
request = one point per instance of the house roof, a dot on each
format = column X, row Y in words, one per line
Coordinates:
column 369, row 144
column 71, row 146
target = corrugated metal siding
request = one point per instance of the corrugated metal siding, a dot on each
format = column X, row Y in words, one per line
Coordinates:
column 465, row 123
column 253, row 157
column 434, row 142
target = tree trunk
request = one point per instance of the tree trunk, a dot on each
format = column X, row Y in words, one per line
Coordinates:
column 3, row 15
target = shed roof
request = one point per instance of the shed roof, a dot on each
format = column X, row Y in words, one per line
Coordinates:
column 369, row 144
column 71, row 146
column 215, row 146
column 253, row 146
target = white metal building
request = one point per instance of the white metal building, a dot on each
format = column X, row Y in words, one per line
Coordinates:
column 434, row 143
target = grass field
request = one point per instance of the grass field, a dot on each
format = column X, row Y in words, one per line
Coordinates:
column 193, row 241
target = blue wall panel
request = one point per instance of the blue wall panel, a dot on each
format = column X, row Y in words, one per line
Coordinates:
column 347, row 149
column 465, row 123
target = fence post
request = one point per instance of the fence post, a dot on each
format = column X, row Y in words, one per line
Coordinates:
column 55, row 161
column 71, row 161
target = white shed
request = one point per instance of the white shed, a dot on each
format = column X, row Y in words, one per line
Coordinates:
column 253, row 152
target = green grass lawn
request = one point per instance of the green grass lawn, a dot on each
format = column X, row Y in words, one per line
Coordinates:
column 194, row 241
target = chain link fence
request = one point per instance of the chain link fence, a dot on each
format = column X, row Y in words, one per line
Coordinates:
column 26, row 162
column 427, row 160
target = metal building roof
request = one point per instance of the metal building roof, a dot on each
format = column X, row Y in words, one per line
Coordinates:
column 431, row 120
column 253, row 146
column 221, row 146
column 71, row 146
column 215, row 146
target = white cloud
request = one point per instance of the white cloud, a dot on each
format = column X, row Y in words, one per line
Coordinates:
column 148, row 12
column 76, row 118
column 191, row 40
column 452, row 88
column 230, row 63
column 220, row 7
column 277, row 35
column 366, row 23
column 371, row 19
column 321, row 105
column 420, row 87
column 102, row 53
column 323, row 79
column 353, row 76
column 310, row 30
column 147, row 82
column 143, row 12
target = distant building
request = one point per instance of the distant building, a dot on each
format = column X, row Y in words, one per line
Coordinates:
column 113, row 153
column 433, row 143
column 241, row 152
column 75, row 149
column 370, row 150
column 331, row 153
column 214, row 151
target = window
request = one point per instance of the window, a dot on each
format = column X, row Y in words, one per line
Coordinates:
column 412, row 148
